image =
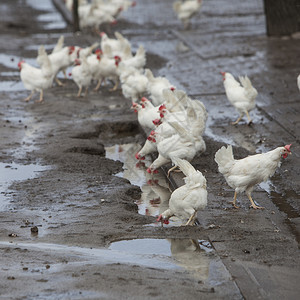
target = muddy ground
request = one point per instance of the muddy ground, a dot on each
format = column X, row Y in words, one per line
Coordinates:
column 80, row 207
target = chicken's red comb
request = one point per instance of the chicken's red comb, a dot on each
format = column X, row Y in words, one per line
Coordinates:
column 287, row 147
column 223, row 73
column 102, row 33
column 172, row 88
column 163, row 106
column 144, row 99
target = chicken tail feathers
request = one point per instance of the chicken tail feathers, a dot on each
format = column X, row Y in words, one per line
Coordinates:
column 44, row 61
column 59, row 45
column 224, row 156
column 149, row 74
column 184, row 166
column 251, row 92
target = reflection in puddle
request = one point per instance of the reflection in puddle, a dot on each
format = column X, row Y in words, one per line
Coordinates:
column 197, row 257
column 98, row 256
column 155, row 190
column 15, row 172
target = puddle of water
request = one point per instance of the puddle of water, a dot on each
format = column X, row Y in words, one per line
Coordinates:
column 11, row 61
column 10, row 86
column 99, row 255
column 4, row 74
column 197, row 257
column 15, row 172
column 280, row 199
column 155, row 190
column 52, row 17
column 54, row 21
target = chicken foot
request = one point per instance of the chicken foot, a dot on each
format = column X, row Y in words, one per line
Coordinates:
column 253, row 205
column 234, row 200
column 239, row 119
column 115, row 86
column 29, row 97
column 59, row 82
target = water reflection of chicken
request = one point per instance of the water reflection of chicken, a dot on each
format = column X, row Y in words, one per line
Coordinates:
column 190, row 256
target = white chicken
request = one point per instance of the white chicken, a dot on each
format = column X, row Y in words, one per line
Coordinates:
column 185, row 10
column 108, row 69
column 92, row 16
column 145, row 116
column 34, row 79
column 243, row 174
column 179, row 145
column 82, row 76
column 133, row 82
column 137, row 61
column 155, row 87
column 186, row 200
column 119, row 46
column 242, row 97
column 60, row 60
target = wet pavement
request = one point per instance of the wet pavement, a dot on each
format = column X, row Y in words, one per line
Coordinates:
column 76, row 179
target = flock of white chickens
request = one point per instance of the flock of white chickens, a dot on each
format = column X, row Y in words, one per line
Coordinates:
column 174, row 121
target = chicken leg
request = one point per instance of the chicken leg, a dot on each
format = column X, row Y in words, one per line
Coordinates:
column 115, row 86
column 253, row 205
column 98, row 85
column 234, row 200
column 239, row 119
column 86, row 91
column 59, row 82
column 29, row 97
column 191, row 220
column 41, row 97
column 249, row 119
column 79, row 92
column 172, row 169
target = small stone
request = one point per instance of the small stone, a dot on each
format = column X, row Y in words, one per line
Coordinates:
column 25, row 269
column 34, row 229
column 47, row 266
column 13, row 235
column 11, row 278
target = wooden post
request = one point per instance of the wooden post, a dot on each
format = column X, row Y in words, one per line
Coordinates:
column 282, row 17
column 76, row 26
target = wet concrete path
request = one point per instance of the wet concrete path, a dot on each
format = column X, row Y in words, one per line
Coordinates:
column 260, row 248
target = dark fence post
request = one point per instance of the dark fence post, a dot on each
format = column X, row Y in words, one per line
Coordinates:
column 75, row 16
column 282, row 17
